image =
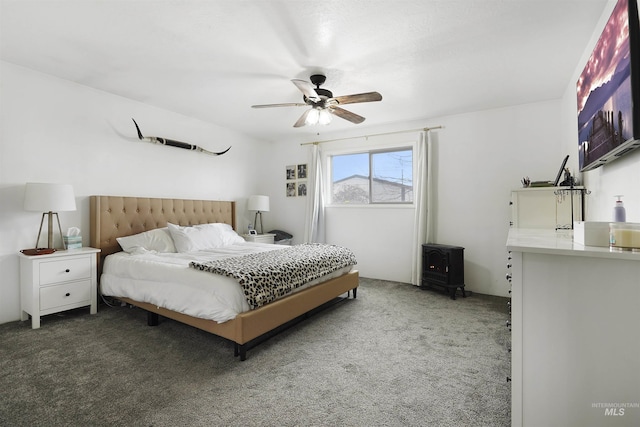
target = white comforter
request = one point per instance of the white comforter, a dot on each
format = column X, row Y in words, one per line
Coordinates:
column 166, row 280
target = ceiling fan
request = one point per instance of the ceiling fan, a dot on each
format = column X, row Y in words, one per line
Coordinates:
column 323, row 104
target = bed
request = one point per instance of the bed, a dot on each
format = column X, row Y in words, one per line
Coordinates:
column 112, row 217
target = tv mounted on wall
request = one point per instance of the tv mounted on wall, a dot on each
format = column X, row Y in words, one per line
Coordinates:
column 608, row 91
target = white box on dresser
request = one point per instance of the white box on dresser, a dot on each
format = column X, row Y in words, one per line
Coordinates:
column 57, row 282
column 591, row 233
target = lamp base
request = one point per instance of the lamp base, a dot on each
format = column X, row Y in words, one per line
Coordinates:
column 255, row 222
column 50, row 229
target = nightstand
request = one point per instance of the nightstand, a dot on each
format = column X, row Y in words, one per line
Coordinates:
column 57, row 282
column 259, row 238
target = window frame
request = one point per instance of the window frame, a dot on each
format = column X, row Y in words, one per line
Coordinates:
column 407, row 146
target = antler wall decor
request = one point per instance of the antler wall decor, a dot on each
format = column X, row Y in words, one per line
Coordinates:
column 173, row 143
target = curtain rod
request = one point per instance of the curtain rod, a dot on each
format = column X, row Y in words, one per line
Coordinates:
column 376, row 134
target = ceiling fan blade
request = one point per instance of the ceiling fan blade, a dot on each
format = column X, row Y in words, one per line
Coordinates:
column 347, row 115
column 306, row 88
column 303, row 119
column 286, row 104
column 360, row 97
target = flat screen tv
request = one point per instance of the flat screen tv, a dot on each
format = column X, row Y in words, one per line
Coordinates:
column 608, row 91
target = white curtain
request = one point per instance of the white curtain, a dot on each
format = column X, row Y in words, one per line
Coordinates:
column 422, row 191
column 314, row 224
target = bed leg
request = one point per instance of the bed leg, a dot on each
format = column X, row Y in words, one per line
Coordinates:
column 240, row 350
column 152, row 318
column 355, row 290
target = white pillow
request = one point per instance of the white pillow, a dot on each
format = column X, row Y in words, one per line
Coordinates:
column 158, row 240
column 203, row 236
column 230, row 236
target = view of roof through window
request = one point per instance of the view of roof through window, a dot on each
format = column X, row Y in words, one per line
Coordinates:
column 372, row 177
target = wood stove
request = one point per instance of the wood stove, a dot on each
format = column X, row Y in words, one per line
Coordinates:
column 443, row 267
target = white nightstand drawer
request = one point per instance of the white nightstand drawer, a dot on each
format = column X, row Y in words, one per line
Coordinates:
column 65, row 294
column 65, row 270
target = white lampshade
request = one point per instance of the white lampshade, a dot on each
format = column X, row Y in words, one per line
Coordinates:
column 42, row 197
column 258, row 203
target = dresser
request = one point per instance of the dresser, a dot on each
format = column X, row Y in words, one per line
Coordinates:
column 57, row 282
column 575, row 344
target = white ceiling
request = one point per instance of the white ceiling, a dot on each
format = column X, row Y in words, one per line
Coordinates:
column 213, row 59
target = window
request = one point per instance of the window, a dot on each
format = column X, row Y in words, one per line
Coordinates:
column 384, row 176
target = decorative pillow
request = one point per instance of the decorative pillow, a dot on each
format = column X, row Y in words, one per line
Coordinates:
column 158, row 240
column 203, row 236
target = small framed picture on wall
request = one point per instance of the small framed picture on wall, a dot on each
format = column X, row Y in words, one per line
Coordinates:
column 302, row 171
column 302, row 188
column 291, row 172
column 291, row 189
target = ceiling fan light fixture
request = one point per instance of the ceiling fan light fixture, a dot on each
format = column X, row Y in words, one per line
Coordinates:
column 312, row 117
column 323, row 104
column 318, row 115
column 324, row 117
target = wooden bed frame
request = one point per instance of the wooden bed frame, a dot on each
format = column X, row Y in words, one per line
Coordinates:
column 115, row 216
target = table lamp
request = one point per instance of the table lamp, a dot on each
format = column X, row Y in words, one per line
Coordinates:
column 259, row 204
column 49, row 199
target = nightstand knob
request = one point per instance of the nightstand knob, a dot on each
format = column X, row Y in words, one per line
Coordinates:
column 67, row 270
column 67, row 294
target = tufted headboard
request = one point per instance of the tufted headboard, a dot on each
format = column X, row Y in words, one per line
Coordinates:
column 115, row 216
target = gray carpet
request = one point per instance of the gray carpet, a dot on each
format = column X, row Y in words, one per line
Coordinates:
column 395, row 356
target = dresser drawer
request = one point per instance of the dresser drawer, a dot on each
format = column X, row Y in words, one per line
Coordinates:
column 65, row 294
column 65, row 270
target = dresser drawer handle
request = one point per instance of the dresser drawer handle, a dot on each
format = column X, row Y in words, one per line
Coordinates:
column 67, row 270
column 67, row 294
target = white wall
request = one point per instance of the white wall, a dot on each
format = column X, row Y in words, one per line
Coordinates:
column 482, row 157
column 57, row 131
column 622, row 176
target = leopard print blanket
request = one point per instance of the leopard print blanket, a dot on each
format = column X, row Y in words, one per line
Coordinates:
column 266, row 276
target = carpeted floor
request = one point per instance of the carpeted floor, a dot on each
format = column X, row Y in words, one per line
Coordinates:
column 395, row 356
